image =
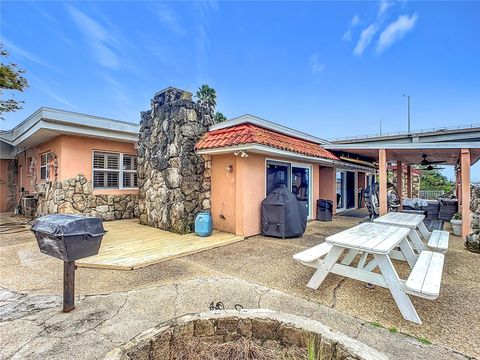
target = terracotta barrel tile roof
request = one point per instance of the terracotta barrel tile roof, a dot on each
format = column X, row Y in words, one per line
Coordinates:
column 252, row 134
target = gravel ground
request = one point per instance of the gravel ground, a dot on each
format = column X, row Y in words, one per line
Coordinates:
column 451, row 320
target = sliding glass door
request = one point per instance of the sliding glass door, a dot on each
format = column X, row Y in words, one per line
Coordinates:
column 301, row 185
column 296, row 178
column 346, row 189
column 341, row 190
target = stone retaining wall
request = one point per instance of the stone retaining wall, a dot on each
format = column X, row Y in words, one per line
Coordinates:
column 266, row 328
column 472, row 241
column 75, row 196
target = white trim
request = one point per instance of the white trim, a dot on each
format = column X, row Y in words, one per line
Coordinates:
column 255, row 120
column 120, row 171
column 266, row 150
column 409, row 146
column 67, row 122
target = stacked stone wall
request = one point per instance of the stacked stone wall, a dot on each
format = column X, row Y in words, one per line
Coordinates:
column 472, row 241
column 75, row 196
column 174, row 182
column 392, row 178
column 12, row 173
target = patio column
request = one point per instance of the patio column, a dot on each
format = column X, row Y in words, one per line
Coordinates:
column 465, row 182
column 400, row 182
column 382, row 175
column 409, row 181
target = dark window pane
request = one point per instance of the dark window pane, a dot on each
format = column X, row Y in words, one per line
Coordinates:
column 127, row 163
column 112, row 161
column 98, row 179
column 98, row 161
column 43, row 173
column 112, row 179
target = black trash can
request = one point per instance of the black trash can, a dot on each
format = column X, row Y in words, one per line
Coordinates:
column 324, row 210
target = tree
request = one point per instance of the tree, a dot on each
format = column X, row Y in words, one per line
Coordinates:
column 207, row 96
column 10, row 79
column 435, row 180
column 219, row 117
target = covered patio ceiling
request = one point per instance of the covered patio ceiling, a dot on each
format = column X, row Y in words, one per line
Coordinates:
column 411, row 154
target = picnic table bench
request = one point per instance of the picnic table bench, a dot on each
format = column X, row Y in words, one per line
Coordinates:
column 378, row 241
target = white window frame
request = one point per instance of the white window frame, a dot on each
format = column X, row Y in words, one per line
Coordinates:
column 120, row 171
column 46, row 166
column 129, row 171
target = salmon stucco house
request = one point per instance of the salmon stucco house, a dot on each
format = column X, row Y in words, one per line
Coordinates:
column 251, row 156
column 66, row 162
column 70, row 163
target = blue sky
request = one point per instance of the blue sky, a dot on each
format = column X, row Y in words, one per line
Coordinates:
column 331, row 69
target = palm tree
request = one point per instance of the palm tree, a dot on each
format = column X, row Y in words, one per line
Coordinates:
column 207, row 96
column 219, row 117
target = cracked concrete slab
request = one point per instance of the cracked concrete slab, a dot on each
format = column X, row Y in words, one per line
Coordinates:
column 447, row 321
column 102, row 322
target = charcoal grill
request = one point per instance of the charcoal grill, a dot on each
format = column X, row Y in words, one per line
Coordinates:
column 68, row 238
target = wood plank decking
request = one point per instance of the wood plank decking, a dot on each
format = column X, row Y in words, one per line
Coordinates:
column 129, row 245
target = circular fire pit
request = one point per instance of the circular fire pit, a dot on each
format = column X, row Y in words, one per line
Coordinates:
column 245, row 334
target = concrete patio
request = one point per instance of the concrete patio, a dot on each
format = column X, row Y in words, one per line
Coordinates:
column 257, row 272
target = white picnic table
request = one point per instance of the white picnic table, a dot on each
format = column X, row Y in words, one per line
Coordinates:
column 379, row 240
column 436, row 240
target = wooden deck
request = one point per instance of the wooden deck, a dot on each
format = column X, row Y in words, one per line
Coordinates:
column 129, row 245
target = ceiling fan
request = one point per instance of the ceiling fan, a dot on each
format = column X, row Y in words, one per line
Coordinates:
column 426, row 162
column 430, row 167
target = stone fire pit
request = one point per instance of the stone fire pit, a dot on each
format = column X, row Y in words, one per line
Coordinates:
column 260, row 329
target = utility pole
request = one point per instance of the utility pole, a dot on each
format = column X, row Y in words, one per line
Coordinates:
column 408, row 110
column 381, row 119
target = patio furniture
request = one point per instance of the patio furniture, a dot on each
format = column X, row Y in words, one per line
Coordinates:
column 379, row 241
column 437, row 240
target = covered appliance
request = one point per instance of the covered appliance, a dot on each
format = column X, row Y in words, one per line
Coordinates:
column 283, row 215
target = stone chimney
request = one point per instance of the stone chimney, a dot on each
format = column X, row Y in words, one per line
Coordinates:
column 174, row 182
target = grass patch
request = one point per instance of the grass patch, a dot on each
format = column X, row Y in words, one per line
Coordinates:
column 393, row 330
column 423, row 340
column 376, row 324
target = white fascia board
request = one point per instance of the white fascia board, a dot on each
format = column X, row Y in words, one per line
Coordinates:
column 262, row 149
column 76, row 130
column 409, row 146
column 89, row 121
column 81, row 121
column 255, row 120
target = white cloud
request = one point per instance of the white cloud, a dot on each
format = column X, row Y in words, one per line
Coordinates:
column 366, row 38
column 169, row 20
column 15, row 50
column 315, row 63
column 102, row 42
column 395, row 31
column 383, row 6
column 347, row 36
column 355, row 20
column 49, row 90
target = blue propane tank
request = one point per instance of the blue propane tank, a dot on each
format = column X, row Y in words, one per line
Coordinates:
column 204, row 223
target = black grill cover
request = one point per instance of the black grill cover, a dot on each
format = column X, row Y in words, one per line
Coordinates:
column 283, row 215
column 68, row 225
column 68, row 237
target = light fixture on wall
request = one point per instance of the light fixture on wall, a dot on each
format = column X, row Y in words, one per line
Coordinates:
column 242, row 154
column 229, row 168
